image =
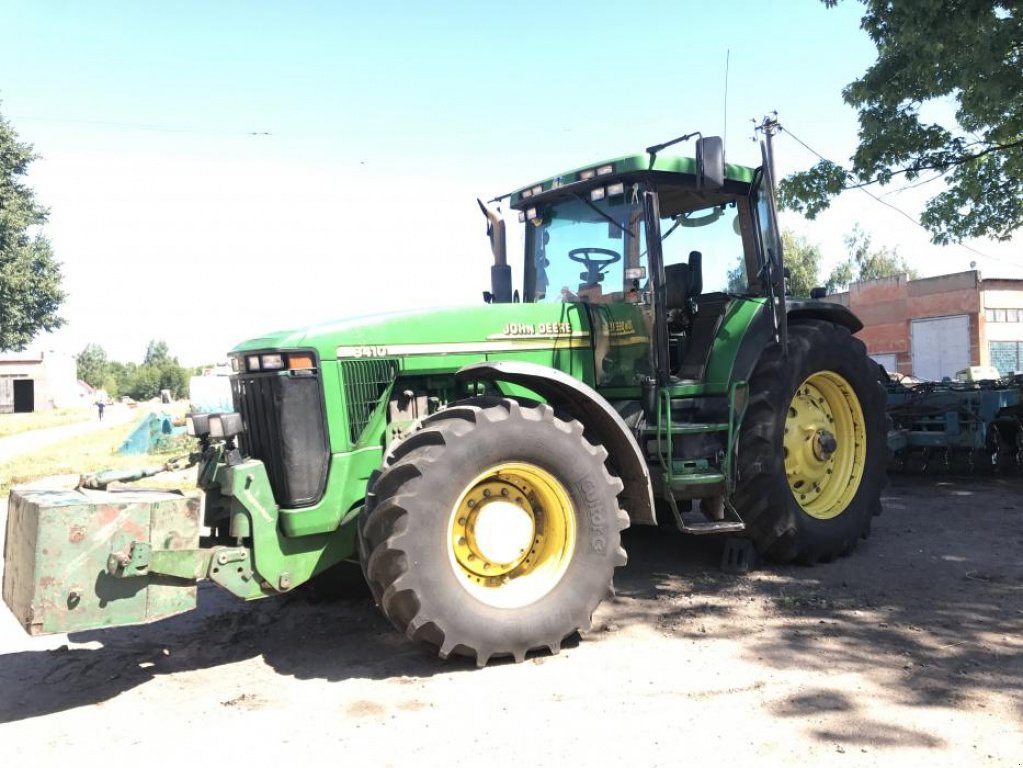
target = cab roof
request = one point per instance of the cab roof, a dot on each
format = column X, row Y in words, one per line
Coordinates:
column 617, row 167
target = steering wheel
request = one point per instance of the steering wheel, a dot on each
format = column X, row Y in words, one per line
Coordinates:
column 594, row 266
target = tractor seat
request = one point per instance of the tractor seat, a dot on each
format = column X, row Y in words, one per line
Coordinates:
column 676, row 286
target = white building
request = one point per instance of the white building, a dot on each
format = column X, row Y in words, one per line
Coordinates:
column 38, row 381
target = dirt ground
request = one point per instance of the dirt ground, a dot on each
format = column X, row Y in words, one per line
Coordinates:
column 909, row 652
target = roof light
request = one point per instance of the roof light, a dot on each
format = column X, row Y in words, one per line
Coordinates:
column 615, row 189
column 587, row 174
column 527, row 193
column 604, row 170
column 597, row 194
column 538, row 189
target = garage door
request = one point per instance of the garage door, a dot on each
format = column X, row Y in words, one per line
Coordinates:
column 941, row 346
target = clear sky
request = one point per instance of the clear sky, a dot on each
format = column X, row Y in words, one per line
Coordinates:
column 216, row 170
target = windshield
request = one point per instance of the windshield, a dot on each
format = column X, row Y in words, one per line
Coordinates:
column 584, row 250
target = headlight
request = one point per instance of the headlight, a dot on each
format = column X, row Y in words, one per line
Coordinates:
column 224, row 426
column 197, row 424
column 252, row 362
column 272, row 362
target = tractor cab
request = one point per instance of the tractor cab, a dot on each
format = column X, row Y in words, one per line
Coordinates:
column 657, row 248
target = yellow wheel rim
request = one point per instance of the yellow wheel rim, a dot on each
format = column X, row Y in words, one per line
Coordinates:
column 825, row 445
column 511, row 535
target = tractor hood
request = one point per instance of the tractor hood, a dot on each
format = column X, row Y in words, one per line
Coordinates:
column 472, row 330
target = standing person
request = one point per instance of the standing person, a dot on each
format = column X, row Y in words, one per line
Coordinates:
column 100, row 405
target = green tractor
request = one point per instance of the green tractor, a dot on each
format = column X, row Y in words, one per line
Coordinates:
column 641, row 364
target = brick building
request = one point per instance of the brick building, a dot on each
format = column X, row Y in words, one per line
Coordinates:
column 935, row 326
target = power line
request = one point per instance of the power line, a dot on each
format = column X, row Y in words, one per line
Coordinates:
column 895, row 208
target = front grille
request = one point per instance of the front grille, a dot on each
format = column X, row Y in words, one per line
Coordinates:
column 284, row 428
column 364, row 382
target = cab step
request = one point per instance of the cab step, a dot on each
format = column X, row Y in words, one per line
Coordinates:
column 703, row 528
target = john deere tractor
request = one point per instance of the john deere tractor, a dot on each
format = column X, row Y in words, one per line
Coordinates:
column 640, row 363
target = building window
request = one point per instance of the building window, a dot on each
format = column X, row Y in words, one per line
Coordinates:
column 1003, row 315
column 1006, row 356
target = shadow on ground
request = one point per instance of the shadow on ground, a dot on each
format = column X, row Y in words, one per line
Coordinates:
column 933, row 602
column 930, row 607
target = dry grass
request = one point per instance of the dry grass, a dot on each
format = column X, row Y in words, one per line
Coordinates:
column 85, row 454
column 16, row 423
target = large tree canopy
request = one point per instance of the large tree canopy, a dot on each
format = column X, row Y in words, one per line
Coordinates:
column 967, row 54
column 30, row 292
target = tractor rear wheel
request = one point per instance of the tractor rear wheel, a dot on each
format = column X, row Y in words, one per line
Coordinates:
column 812, row 447
column 493, row 530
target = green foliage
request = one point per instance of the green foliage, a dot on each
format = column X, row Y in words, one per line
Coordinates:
column 961, row 52
column 802, row 259
column 866, row 262
column 30, row 277
column 159, row 371
column 157, row 353
column 92, row 365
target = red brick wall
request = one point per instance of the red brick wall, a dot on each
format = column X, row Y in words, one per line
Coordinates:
column 887, row 306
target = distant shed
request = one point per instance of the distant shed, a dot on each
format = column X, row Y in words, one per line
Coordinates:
column 37, row 381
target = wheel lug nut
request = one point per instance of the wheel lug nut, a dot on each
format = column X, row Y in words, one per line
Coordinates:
column 486, row 492
column 471, row 503
column 504, row 491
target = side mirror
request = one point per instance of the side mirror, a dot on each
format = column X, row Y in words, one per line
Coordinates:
column 695, row 273
column 500, row 272
column 495, row 231
column 710, row 163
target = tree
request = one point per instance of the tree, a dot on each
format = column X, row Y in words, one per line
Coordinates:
column 30, row 277
column 157, row 352
column 802, row 260
column 866, row 263
column 93, row 366
column 968, row 53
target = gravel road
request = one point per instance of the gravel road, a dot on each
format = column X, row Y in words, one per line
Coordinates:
column 910, row 652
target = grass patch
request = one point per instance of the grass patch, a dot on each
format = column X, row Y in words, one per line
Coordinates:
column 85, row 454
column 16, row 423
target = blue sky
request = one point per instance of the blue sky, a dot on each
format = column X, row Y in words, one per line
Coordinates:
column 217, row 170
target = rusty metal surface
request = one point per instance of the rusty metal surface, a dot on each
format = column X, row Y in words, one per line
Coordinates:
column 57, row 548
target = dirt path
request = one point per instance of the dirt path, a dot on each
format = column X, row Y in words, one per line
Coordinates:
column 910, row 652
column 25, row 442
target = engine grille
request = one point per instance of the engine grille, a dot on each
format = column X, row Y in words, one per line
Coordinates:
column 364, row 383
column 285, row 429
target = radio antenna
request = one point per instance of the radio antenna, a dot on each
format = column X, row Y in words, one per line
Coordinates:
column 724, row 133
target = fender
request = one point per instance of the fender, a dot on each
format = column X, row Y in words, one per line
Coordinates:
column 797, row 309
column 760, row 332
column 582, row 402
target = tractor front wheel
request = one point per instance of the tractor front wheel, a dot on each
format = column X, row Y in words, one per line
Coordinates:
column 494, row 530
column 813, row 446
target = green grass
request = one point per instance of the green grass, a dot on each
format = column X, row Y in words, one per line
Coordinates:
column 16, row 423
column 86, row 454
